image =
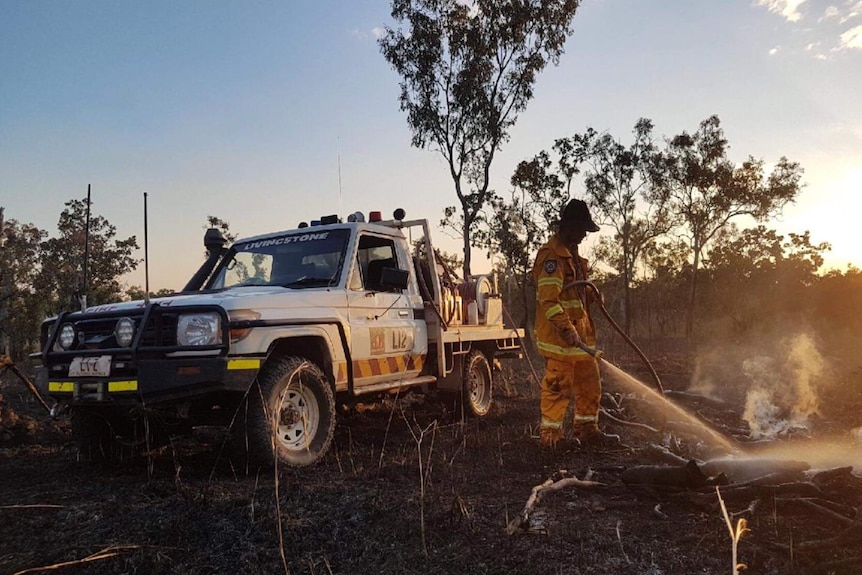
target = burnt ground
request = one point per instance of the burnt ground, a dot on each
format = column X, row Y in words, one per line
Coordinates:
column 407, row 489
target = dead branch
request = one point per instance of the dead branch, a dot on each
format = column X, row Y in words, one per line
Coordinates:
column 7, row 363
column 658, row 512
column 620, row 540
column 752, row 507
column 624, row 422
column 538, row 493
column 32, row 506
column 736, row 493
column 851, row 535
column 793, row 504
column 666, row 454
column 105, row 553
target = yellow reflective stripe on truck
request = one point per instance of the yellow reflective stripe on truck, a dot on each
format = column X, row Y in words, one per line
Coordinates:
column 386, row 365
column 243, row 364
column 113, row 386
column 380, row 366
column 61, row 386
column 131, row 385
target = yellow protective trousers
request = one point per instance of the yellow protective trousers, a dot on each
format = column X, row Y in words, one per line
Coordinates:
column 564, row 381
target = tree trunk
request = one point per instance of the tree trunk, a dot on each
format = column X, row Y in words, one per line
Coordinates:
column 689, row 324
column 466, row 248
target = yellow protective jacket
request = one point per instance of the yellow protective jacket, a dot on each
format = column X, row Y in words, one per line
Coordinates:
column 559, row 310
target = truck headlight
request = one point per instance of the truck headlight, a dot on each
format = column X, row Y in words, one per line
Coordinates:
column 199, row 329
column 67, row 336
column 124, row 332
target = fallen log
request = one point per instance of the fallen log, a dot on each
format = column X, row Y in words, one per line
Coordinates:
column 827, row 475
column 688, row 476
column 742, row 469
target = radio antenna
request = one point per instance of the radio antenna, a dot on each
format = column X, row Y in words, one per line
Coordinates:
column 83, row 296
column 146, row 259
column 340, row 197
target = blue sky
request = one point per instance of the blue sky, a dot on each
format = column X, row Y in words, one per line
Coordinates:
column 246, row 110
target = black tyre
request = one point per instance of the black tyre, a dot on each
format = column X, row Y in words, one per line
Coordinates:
column 290, row 415
column 477, row 383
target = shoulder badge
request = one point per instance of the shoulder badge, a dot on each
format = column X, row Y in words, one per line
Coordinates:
column 550, row 266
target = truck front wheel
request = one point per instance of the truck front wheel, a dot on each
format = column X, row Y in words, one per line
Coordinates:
column 476, row 396
column 291, row 418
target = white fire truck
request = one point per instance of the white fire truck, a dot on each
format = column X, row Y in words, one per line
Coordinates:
column 271, row 334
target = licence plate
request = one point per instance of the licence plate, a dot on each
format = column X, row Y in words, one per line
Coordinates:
column 90, row 366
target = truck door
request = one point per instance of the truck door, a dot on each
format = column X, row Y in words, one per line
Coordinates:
column 388, row 343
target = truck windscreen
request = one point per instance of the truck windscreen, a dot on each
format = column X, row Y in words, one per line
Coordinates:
column 295, row 260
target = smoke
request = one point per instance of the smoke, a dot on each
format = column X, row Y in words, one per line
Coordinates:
column 783, row 395
column 857, row 434
column 778, row 379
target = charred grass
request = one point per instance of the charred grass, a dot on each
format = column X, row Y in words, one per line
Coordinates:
column 407, row 488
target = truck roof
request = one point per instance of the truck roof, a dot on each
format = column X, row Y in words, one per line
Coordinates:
column 377, row 227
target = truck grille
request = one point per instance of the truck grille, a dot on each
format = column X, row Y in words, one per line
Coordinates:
column 155, row 332
column 99, row 333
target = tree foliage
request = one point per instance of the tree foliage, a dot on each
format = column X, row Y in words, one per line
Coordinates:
column 467, row 71
column 62, row 260
column 21, row 307
column 625, row 187
column 708, row 190
column 757, row 273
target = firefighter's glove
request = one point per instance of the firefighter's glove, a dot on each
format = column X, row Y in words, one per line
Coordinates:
column 571, row 337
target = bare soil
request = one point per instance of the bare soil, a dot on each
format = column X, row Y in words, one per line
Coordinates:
column 409, row 489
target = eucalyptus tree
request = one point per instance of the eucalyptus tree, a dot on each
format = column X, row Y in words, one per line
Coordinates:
column 708, row 190
column 625, row 185
column 467, row 71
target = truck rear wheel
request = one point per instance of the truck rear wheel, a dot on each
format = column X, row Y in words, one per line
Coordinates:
column 292, row 418
column 476, row 394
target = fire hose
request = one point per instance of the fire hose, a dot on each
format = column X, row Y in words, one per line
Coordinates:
column 595, row 352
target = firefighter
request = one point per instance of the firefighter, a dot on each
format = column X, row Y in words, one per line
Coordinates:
column 562, row 324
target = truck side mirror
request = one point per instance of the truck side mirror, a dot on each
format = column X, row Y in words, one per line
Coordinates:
column 394, row 279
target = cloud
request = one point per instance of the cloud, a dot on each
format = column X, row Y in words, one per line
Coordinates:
column 376, row 33
column 830, row 33
column 854, row 9
column 789, row 9
column 852, row 38
column 830, row 13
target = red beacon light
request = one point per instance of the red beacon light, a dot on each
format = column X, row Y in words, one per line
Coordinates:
column 374, row 217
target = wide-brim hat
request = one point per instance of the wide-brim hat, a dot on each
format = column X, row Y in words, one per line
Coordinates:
column 576, row 213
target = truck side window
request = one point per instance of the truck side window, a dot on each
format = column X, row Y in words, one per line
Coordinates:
column 373, row 255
